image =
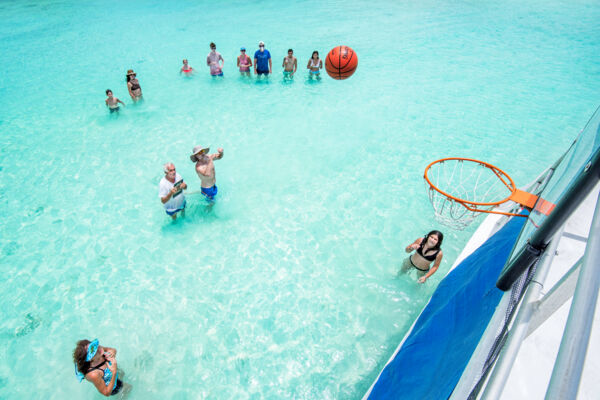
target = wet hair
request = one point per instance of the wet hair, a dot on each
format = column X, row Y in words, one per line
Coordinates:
column 440, row 237
column 128, row 77
column 108, row 90
column 212, row 44
column 315, row 52
column 290, row 50
column 79, row 355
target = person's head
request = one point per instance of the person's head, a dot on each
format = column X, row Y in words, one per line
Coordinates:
column 198, row 153
column 109, row 92
column 87, row 353
column 315, row 54
column 213, row 46
column 169, row 170
column 185, row 61
column 243, row 50
column 130, row 75
column 434, row 239
column 261, row 46
column 290, row 52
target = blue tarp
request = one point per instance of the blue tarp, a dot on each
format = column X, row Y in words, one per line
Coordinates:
column 435, row 354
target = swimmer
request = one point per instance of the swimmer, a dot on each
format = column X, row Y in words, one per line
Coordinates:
column 205, row 168
column 98, row 365
column 215, row 61
column 133, row 85
column 244, row 62
column 315, row 64
column 262, row 60
column 170, row 191
column 112, row 102
column 186, row 69
column 428, row 250
column 290, row 65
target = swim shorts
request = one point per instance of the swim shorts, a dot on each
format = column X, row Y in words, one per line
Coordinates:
column 176, row 211
column 112, row 110
column 210, row 192
column 117, row 388
column 262, row 72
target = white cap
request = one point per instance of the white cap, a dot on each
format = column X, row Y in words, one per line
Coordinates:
column 261, row 43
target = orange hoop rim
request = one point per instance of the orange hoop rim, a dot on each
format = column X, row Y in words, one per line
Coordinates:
column 497, row 171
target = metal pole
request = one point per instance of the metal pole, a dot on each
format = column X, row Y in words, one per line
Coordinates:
column 520, row 328
column 566, row 374
column 583, row 185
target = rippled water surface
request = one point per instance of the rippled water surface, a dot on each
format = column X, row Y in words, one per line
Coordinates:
column 288, row 286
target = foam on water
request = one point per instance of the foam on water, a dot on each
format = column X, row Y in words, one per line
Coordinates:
column 288, row 287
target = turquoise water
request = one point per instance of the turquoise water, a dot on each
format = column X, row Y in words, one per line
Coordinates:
column 288, row 286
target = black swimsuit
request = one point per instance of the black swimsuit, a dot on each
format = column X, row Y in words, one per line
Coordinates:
column 430, row 257
column 134, row 86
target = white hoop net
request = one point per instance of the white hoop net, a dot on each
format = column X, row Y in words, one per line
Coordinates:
column 470, row 181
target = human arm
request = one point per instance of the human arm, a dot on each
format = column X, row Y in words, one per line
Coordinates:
column 119, row 101
column 218, row 155
column 166, row 195
column 414, row 245
column 295, row 65
column 320, row 64
column 106, row 101
column 129, row 89
column 221, row 60
column 308, row 65
column 432, row 270
column 238, row 62
column 255, row 64
column 270, row 65
column 283, row 63
column 208, row 60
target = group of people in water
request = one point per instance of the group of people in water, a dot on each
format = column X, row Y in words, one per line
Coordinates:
column 262, row 65
column 98, row 364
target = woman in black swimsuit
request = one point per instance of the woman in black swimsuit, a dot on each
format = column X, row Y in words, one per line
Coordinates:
column 133, row 85
column 428, row 250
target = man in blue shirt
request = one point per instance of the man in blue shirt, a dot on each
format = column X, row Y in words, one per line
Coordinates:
column 262, row 60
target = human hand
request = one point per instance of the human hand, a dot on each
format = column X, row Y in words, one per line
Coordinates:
column 112, row 361
column 220, row 150
column 422, row 279
column 414, row 246
column 174, row 190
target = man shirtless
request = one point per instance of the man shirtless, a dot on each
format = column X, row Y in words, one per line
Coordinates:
column 290, row 65
column 112, row 102
column 205, row 168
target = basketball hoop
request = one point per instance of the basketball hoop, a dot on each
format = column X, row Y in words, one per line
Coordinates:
column 461, row 188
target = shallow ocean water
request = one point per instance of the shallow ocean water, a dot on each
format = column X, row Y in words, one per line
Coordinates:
column 288, row 287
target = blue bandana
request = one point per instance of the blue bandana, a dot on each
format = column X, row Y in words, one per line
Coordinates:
column 91, row 352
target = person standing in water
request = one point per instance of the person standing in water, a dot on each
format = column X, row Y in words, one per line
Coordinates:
column 290, row 65
column 98, row 365
column 244, row 62
column 112, row 102
column 262, row 60
column 170, row 191
column 205, row 168
column 428, row 250
column 186, row 69
column 133, row 85
column 215, row 61
column 315, row 64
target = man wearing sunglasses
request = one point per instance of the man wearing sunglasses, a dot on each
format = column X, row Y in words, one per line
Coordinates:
column 262, row 60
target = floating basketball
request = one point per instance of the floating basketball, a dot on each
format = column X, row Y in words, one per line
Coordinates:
column 341, row 62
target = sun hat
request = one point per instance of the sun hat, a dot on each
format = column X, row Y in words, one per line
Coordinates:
column 261, row 43
column 130, row 72
column 198, row 149
column 243, row 49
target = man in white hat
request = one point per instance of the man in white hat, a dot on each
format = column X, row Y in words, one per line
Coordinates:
column 262, row 60
column 205, row 168
column 170, row 191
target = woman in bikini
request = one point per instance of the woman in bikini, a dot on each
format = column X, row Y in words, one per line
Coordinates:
column 98, row 365
column 133, row 85
column 186, row 69
column 428, row 250
column 315, row 64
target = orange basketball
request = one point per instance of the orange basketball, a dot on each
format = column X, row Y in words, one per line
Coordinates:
column 341, row 62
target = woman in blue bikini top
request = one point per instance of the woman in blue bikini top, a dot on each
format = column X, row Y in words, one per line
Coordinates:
column 98, row 365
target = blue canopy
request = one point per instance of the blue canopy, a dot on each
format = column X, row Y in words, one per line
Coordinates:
column 434, row 355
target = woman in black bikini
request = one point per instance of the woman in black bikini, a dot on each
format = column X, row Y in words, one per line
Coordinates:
column 133, row 85
column 428, row 250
